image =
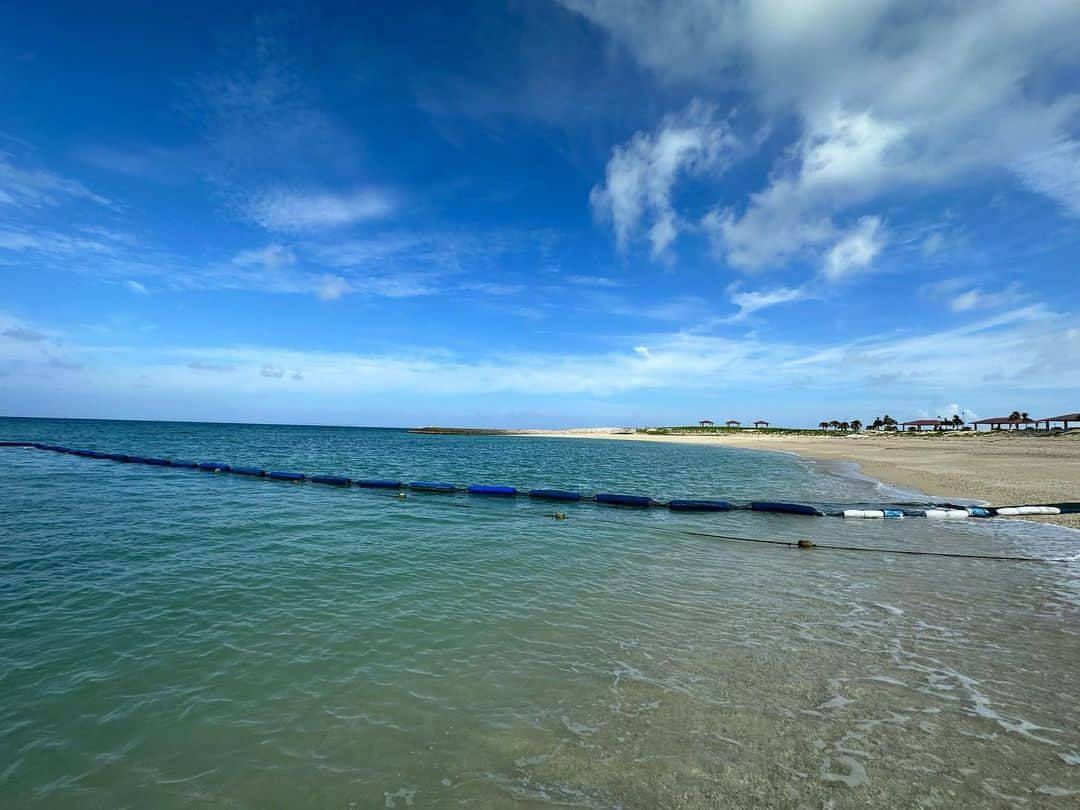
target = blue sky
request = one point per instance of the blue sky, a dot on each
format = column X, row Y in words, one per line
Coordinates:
column 540, row 213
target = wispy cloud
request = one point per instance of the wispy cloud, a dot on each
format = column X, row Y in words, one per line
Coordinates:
column 592, row 281
column 966, row 294
column 200, row 365
column 752, row 301
column 35, row 188
column 25, row 334
column 299, row 211
column 1055, row 172
column 269, row 135
column 1034, row 348
column 154, row 163
column 272, row 256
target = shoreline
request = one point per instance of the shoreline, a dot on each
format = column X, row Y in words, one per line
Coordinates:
column 1002, row 468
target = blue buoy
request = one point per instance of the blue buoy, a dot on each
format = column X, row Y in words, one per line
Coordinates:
column 286, row 476
column 555, row 494
column 699, row 506
column 378, row 483
column 185, row 463
column 786, row 508
column 481, row 489
column 214, row 466
column 157, row 462
column 432, row 486
column 255, row 472
column 623, row 500
column 332, row 480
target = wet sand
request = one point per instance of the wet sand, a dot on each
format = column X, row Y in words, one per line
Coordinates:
column 1000, row 467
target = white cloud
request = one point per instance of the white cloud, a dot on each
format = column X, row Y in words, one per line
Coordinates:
column 1034, row 351
column 964, row 295
column 933, row 244
column 24, row 334
column 840, row 163
column 592, row 281
column 1055, row 172
column 298, row 211
column 273, row 256
column 855, row 251
column 330, row 287
column 641, row 173
column 492, row 287
column 36, row 188
column 887, row 96
column 51, row 243
column 200, row 365
column 751, row 301
column 136, row 287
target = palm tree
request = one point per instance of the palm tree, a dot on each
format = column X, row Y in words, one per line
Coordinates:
column 957, row 421
column 823, row 425
column 856, row 425
column 888, row 421
column 845, row 425
column 834, row 425
column 878, row 423
column 1014, row 418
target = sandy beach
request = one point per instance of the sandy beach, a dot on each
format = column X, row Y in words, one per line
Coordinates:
column 999, row 467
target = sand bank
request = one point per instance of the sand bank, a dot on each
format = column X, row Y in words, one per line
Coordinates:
column 999, row 467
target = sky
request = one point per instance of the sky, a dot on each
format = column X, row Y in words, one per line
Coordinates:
column 540, row 214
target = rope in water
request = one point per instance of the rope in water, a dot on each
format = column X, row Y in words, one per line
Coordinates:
column 808, row 544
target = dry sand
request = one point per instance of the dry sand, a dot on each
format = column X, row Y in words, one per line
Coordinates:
column 999, row 467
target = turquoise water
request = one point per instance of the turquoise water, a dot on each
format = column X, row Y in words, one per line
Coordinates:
column 174, row 638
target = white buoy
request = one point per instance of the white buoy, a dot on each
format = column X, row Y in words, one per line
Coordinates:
column 943, row 514
column 1028, row 510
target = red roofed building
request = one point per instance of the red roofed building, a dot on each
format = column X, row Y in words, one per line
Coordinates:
column 1065, row 418
column 997, row 422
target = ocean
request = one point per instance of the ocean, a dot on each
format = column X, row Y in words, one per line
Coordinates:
column 174, row 638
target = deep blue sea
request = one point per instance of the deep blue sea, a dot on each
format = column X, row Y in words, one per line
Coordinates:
column 174, row 638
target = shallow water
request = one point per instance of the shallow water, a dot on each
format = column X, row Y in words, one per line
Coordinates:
column 170, row 637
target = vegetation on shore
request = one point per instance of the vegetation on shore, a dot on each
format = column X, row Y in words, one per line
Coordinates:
column 696, row 430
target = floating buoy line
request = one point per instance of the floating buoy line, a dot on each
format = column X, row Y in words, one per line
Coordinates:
column 399, row 488
column 886, row 512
